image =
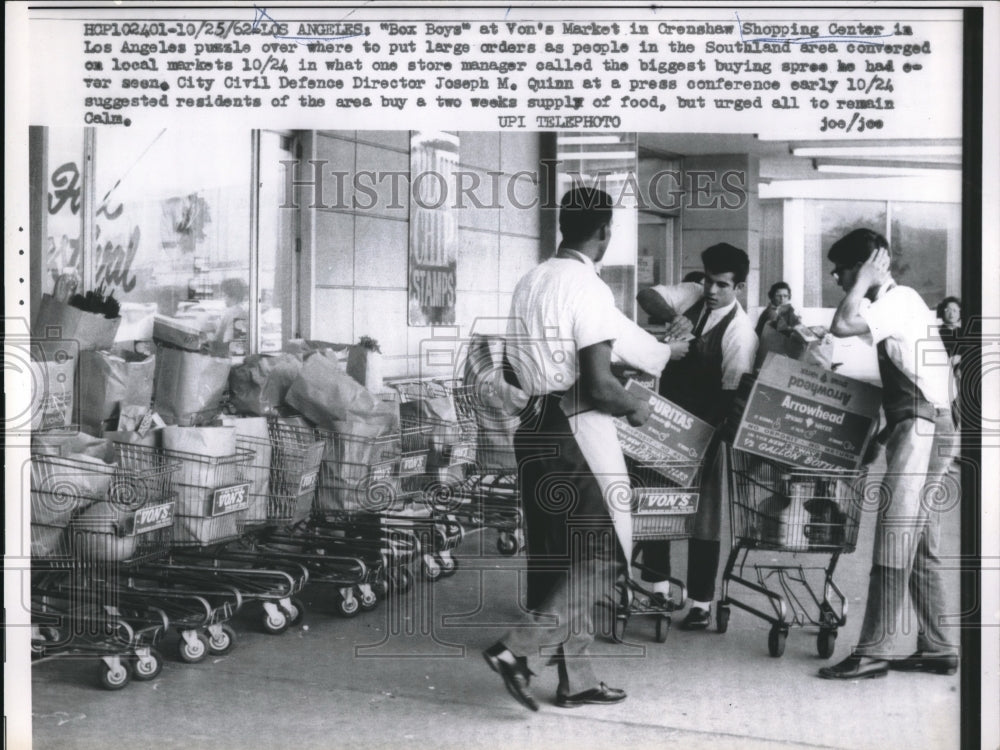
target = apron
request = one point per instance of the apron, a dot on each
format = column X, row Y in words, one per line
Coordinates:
column 564, row 508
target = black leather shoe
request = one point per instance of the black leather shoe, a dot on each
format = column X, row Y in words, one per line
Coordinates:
column 696, row 619
column 598, row 696
column 921, row 662
column 516, row 677
column 856, row 667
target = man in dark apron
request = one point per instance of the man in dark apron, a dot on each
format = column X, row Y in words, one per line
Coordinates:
column 560, row 334
column 704, row 383
column 920, row 446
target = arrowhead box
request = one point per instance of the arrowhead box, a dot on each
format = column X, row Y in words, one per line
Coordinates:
column 802, row 415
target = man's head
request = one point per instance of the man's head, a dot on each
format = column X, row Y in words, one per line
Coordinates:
column 234, row 290
column 780, row 294
column 726, row 269
column 585, row 221
column 849, row 252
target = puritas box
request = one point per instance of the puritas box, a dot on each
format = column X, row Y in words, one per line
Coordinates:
column 670, row 436
column 803, row 415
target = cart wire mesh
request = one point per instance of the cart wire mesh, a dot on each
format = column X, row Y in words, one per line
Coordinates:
column 86, row 512
column 780, row 507
column 213, row 494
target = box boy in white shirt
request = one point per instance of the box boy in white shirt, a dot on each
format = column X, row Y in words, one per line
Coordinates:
column 921, row 444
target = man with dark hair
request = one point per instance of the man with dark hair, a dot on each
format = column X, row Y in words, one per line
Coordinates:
column 704, row 382
column 920, row 445
column 561, row 329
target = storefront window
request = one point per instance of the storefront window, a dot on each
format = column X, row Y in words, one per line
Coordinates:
column 826, row 222
column 172, row 228
column 62, row 221
column 608, row 162
column 924, row 237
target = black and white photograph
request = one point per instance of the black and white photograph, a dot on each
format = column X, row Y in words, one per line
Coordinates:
column 489, row 375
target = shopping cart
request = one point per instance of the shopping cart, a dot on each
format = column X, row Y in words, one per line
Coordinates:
column 779, row 508
column 92, row 523
column 664, row 502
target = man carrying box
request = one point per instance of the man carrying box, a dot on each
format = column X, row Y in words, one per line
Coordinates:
column 921, row 445
column 704, row 382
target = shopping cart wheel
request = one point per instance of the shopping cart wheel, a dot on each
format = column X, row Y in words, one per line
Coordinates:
column 447, row 563
column 662, row 628
column 618, row 626
column 295, row 610
column 348, row 606
column 432, row 570
column 275, row 622
column 147, row 666
column 722, row 618
column 401, row 580
column 776, row 641
column 114, row 676
column 222, row 642
column 368, row 599
column 826, row 642
column 192, row 648
column 506, row 544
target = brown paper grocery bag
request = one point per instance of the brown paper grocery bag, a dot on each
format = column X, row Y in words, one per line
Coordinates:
column 90, row 331
column 109, row 380
column 189, row 386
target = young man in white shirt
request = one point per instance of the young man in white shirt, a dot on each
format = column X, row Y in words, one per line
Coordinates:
column 916, row 396
column 562, row 325
column 704, row 382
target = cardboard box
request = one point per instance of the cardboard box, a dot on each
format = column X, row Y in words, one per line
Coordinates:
column 670, row 436
column 172, row 331
column 802, row 415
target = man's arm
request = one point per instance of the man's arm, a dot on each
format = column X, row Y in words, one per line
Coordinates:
column 848, row 320
column 739, row 347
column 655, row 305
column 602, row 389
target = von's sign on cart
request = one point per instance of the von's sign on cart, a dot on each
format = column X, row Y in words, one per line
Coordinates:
column 672, row 441
column 806, row 416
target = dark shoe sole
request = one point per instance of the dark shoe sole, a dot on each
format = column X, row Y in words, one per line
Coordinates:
column 946, row 670
column 577, row 704
column 866, row 676
column 520, row 696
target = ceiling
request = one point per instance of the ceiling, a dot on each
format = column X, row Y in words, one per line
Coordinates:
column 777, row 161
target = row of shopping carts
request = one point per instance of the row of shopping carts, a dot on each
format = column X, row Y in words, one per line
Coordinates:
column 129, row 546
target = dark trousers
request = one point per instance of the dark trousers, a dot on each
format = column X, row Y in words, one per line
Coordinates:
column 572, row 550
column 703, row 564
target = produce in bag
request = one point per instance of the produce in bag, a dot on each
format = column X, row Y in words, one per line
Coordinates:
column 259, row 385
column 325, row 394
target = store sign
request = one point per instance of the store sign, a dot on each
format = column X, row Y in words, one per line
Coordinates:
column 656, row 501
column 230, row 499
column 806, row 416
column 153, row 517
column 308, row 481
column 463, row 453
column 415, row 464
column 433, row 262
column 673, row 441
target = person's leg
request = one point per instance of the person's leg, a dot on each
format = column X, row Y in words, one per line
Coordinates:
column 896, row 533
column 927, row 590
column 703, row 566
column 655, row 566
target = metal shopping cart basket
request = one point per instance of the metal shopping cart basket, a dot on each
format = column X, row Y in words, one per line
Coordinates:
column 664, row 503
column 779, row 508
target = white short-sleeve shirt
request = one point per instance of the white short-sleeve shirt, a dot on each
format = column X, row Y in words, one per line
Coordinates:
column 680, row 297
column 901, row 319
column 558, row 308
